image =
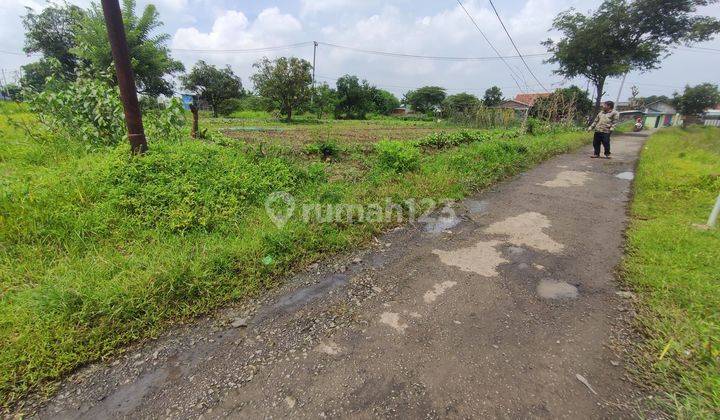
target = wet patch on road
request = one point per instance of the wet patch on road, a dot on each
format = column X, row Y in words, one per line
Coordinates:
column 527, row 229
column 475, row 206
column 567, row 179
column 553, row 289
column 442, row 224
column 482, row 258
column 626, row 175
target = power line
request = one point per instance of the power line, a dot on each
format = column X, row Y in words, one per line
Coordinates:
column 245, row 50
column 515, row 46
column 426, row 57
column 512, row 74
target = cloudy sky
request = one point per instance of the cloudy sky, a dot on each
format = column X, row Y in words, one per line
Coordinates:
column 432, row 28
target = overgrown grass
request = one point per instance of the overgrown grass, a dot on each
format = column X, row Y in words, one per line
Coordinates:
column 675, row 268
column 98, row 249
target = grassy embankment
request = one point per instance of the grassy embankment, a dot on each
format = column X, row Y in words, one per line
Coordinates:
column 98, row 249
column 675, row 268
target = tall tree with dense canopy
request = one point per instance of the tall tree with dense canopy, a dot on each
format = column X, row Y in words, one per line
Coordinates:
column 383, row 101
column 461, row 103
column 696, row 100
column 286, row 81
column 149, row 55
column 425, row 99
column 324, row 100
column 212, row 84
column 354, row 97
column 623, row 35
column 50, row 33
column 493, row 96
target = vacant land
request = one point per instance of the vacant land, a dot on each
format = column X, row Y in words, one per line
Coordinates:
column 98, row 249
column 674, row 267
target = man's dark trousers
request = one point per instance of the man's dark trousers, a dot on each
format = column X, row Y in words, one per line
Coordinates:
column 603, row 138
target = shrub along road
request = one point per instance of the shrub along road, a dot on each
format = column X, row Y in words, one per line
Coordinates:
column 510, row 310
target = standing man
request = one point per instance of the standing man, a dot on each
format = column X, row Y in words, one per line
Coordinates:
column 603, row 125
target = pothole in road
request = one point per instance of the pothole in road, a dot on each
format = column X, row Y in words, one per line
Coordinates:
column 626, row 175
column 441, row 224
column 553, row 289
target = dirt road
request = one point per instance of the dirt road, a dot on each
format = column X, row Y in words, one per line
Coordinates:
column 509, row 311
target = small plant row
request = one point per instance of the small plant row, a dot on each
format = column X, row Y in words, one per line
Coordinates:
column 443, row 140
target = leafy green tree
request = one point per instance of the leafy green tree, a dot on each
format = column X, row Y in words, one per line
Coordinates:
column 383, row 101
column 647, row 100
column 324, row 100
column 696, row 100
column 563, row 104
column 461, row 103
column 286, row 81
column 623, row 35
column 150, row 57
column 13, row 91
column 425, row 99
column 50, row 33
column 493, row 96
column 212, row 84
column 354, row 97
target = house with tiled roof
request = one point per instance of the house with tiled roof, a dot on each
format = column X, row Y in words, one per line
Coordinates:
column 530, row 98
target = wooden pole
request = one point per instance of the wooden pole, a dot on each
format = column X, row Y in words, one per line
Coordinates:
column 126, row 80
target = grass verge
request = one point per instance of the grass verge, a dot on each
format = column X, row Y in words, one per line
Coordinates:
column 98, row 248
column 675, row 269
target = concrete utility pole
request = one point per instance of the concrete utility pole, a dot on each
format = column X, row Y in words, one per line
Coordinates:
column 315, row 45
column 622, row 85
column 126, row 80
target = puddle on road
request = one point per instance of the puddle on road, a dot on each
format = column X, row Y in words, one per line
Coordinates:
column 626, row 175
column 527, row 229
column 566, row 179
column 482, row 258
column 475, row 206
column 300, row 297
column 552, row 289
column 441, row 224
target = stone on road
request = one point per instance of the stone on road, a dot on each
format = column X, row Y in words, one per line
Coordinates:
column 499, row 317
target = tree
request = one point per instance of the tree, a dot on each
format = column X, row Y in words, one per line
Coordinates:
column 461, row 103
column 212, row 84
column 150, row 57
column 354, row 97
column 285, row 81
column 493, row 96
column 563, row 105
column 50, row 33
column 623, row 35
column 696, row 100
column 324, row 100
column 425, row 99
column 647, row 100
column 13, row 91
column 383, row 101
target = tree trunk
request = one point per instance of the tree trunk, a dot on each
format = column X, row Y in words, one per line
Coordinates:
column 599, row 86
column 289, row 115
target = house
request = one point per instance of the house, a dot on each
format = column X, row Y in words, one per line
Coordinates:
column 712, row 116
column 530, row 98
column 513, row 104
column 661, row 114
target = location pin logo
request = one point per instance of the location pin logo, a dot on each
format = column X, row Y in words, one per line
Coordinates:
column 280, row 206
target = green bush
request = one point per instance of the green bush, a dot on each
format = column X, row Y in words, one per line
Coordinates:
column 324, row 148
column 397, row 156
column 228, row 106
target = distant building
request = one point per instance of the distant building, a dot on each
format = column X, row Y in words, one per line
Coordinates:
column 661, row 114
column 513, row 104
column 712, row 116
column 530, row 98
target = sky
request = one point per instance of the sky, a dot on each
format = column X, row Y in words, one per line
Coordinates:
column 416, row 27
